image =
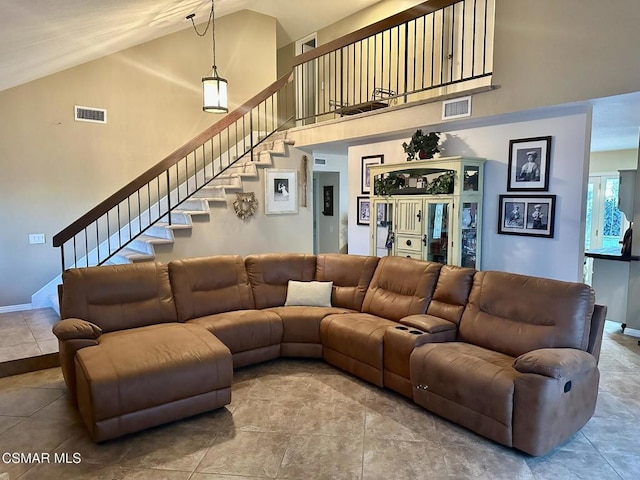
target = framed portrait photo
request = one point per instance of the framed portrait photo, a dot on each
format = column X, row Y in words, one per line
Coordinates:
column 364, row 210
column 529, row 163
column 280, row 191
column 365, row 177
column 532, row 215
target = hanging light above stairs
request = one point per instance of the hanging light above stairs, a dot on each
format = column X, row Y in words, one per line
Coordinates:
column 214, row 87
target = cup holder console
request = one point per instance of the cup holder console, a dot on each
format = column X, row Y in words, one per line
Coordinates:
column 413, row 331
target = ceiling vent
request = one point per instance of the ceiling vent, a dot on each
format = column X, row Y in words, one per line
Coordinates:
column 456, row 108
column 319, row 161
column 90, row 114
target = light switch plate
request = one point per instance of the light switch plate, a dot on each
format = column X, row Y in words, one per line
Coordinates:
column 36, row 238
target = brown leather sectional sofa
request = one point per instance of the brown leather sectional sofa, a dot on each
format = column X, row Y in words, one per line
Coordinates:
column 511, row 357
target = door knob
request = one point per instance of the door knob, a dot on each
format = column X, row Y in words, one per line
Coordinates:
column 408, row 243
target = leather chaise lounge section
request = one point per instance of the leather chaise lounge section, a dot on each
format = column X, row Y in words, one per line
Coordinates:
column 511, row 357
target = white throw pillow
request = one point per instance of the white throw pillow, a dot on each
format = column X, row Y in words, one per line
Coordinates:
column 310, row 294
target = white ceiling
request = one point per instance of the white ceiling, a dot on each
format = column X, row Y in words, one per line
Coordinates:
column 41, row 37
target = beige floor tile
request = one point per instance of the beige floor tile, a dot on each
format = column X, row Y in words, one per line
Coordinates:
column 267, row 416
column 22, row 350
column 486, row 460
column 245, row 453
column 169, row 447
column 385, row 459
column 49, row 378
column 81, row 471
column 48, row 346
column 16, row 335
column 322, row 457
column 572, row 465
column 627, row 466
column 613, row 435
column 8, row 422
column 333, row 418
column 26, row 402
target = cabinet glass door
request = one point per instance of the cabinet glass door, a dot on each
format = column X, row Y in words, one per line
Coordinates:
column 383, row 236
column 437, row 237
column 468, row 254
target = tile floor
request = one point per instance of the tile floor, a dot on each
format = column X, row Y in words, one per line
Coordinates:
column 300, row 419
column 27, row 334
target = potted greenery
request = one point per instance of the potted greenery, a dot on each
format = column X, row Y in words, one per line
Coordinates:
column 422, row 145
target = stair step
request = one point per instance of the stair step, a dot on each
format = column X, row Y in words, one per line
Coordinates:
column 127, row 255
column 193, row 205
column 232, row 182
column 242, row 169
column 160, row 231
column 211, row 194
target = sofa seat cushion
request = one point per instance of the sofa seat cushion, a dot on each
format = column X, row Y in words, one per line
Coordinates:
column 141, row 377
column 302, row 324
column 356, row 335
column 467, row 384
column 243, row 330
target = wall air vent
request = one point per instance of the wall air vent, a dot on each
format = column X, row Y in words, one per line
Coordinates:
column 456, row 108
column 90, row 114
column 319, row 161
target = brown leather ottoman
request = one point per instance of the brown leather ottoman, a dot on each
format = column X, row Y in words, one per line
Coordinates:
column 138, row 378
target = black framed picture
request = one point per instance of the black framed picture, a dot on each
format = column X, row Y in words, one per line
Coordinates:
column 529, row 163
column 364, row 210
column 532, row 215
column 327, row 202
column 365, row 177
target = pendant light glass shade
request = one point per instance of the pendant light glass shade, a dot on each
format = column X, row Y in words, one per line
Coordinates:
column 214, row 93
column 214, row 87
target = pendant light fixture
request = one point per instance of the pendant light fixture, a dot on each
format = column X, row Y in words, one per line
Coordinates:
column 214, row 87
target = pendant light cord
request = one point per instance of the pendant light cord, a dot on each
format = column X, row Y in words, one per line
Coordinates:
column 210, row 23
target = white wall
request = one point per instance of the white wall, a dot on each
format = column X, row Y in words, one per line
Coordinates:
column 612, row 161
column 560, row 257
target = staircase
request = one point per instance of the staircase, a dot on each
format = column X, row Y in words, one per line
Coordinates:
column 141, row 249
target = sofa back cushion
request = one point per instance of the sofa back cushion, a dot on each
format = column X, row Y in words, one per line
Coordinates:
column 118, row 297
column 452, row 293
column 350, row 274
column 210, row 285
column 514, row 314
column 269, row 275
column 401, row 286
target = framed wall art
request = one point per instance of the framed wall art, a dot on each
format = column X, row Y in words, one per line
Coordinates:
column 363, row 210
column 280, row 191
column 529, row 163
column 365, row 178
column 327, row 200
column 532, row 215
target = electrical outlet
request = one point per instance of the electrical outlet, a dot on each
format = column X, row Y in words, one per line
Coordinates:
column 36, row 238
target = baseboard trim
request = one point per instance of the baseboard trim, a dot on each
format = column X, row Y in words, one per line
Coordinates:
column 16, row 308
column 632, row 332
column 26, row 365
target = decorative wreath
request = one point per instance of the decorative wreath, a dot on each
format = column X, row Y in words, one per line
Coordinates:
column 245, row 205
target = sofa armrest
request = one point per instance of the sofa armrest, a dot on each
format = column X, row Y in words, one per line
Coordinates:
column 559, row 363
column 76, row 329
column 428, row 323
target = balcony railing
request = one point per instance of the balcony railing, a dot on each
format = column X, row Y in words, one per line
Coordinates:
column 401, row 59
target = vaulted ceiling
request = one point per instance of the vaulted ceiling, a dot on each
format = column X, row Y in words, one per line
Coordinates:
column 40, row 37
